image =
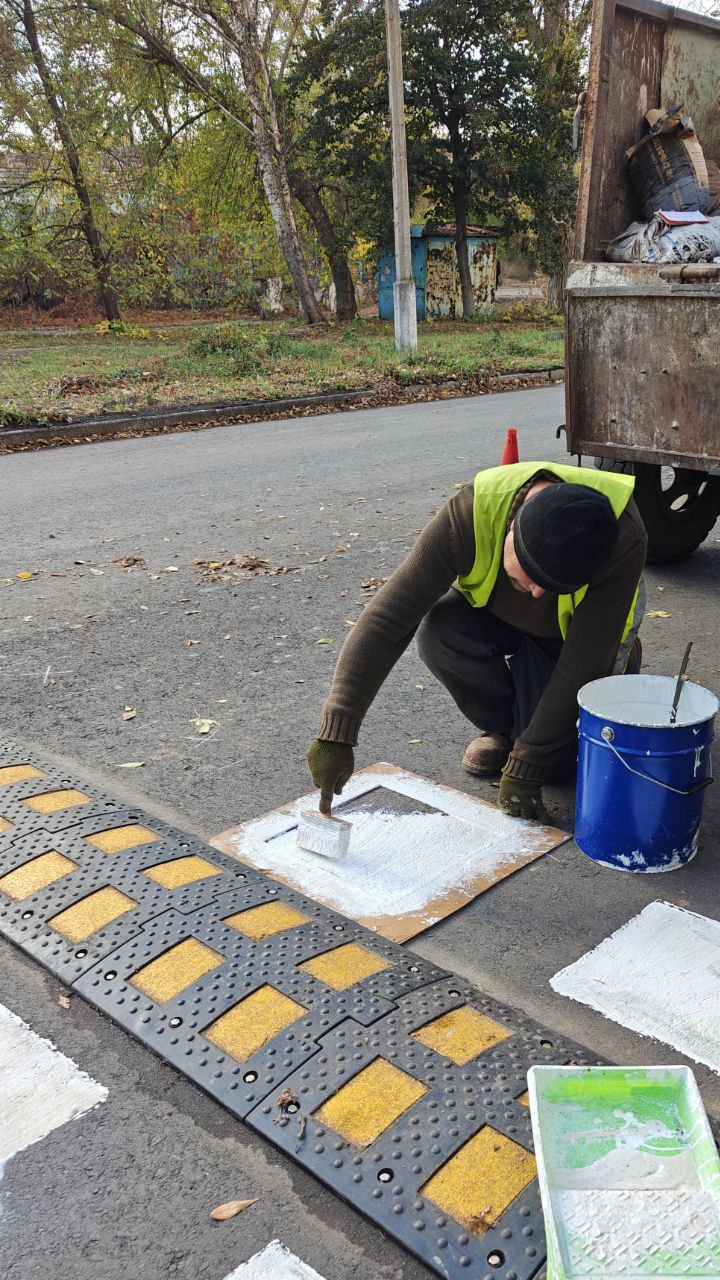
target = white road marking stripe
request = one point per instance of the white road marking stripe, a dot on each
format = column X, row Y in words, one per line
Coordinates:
column 40, row 1089
column 658, row 975
column 275, row 1262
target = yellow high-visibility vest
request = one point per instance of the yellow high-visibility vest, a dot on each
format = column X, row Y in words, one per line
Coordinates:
column 495, row 491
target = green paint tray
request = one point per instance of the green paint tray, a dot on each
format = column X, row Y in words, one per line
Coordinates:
column 629, row 1174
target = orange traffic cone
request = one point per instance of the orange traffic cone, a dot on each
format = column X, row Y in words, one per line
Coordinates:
column 510, row 448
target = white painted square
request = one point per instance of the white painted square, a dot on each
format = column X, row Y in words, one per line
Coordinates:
column 274, row 1262
column 403, row 872
column 659, row 975
column 40, row 1089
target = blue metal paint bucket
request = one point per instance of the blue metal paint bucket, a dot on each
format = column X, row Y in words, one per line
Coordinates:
column 641, row 780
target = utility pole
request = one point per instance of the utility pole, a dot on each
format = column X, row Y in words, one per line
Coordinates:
column 405, row 309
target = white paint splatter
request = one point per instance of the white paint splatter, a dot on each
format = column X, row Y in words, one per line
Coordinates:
column 274, row 1262
column 617, row 1233
column 40, row 1089
column 397, row 864
column 659, row 975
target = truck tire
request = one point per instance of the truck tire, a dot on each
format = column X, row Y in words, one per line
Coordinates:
column 678, row 507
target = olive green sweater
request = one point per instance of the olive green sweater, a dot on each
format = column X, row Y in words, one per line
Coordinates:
column 444, row 551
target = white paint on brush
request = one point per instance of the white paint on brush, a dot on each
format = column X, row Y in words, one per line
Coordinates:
column 274, row 1262
column 659, row 975
column 40, row 1089
column 397, row 863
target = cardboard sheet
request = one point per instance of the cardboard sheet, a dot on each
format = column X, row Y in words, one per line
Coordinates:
column 418, row 851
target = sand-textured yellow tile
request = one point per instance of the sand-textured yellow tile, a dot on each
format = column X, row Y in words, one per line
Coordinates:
column 4, row 824
column 369, row 1103
column 95, row 912
column 481, row 1180
column 175, row 970
column 253, row 1022
column 462, row 1034
column 18, row 773
column 35, row 875
column 344, row 966
column 54, row 801
column 180, row 871
column 524, row 1099
column 117, row 839
column 266, row 921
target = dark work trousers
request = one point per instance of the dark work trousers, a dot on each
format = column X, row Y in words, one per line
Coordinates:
column 495, row 673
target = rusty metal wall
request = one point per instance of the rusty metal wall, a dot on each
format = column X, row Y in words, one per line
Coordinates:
column 443, row 292
column 643, row 371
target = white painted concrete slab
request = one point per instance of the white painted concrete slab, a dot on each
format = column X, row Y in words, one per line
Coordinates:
column 40, row 1089
column 659, row 975
column 274, row 1262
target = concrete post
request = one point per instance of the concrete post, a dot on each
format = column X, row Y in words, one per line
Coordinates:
column 405, row 309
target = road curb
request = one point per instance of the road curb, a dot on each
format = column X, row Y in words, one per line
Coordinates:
column 225, row 412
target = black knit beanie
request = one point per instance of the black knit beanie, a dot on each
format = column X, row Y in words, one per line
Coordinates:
column 563, row 535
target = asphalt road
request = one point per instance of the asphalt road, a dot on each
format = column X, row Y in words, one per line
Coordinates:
column 125, row 1192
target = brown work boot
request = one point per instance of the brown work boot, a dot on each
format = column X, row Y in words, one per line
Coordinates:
column 487, row 754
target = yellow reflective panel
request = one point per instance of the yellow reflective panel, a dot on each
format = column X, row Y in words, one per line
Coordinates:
column 369, row 1103
column 171, row 875
column 265, row 921
column 33, row 876
column 462, row 1034
column 344, row 966
column 92, row 913
column 18, row 773
column 524, row 1099
column 175, row 970
column 119, row 838
column 253, row 1022
column 54, row 801
column 4, row 824
column 481, row 1180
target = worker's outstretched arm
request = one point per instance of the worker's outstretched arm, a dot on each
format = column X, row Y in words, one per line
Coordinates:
column 384, row 632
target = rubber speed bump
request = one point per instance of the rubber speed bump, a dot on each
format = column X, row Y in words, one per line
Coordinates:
column 45, row 875
column 235, row 1047
column 447, row 1169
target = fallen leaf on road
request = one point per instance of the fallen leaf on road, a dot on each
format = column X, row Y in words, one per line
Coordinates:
column 132, row 764
column 24, row 576
column 97, row 572
column 222, row 1212
column 64, row 1001
column 350, row 622
column 189, row 642
column 372, row 584
column 129, row 713
column 414, row 742
column 325, row 640
column 658, row 613
column 171, row 568
column 420, row 687
column 203, row 724
column 130, row 562
column 221, row 699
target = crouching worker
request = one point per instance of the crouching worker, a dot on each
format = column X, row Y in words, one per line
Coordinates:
column 525, row 586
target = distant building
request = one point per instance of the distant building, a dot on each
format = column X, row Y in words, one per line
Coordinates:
column 435, row 271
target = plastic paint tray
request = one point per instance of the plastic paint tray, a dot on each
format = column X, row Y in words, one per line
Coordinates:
column 629, row 1174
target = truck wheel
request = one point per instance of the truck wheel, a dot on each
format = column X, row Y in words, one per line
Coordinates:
column 678, row 507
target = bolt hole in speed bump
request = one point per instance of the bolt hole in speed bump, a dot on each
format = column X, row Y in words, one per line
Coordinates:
column 400, row 1087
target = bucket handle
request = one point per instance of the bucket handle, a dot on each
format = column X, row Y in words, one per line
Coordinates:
column 607, row 736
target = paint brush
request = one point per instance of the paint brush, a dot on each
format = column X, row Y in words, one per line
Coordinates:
column 319, row 832
column 679, row 685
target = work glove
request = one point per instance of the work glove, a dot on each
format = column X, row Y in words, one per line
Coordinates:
column 331, row 766
column 522, row 799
